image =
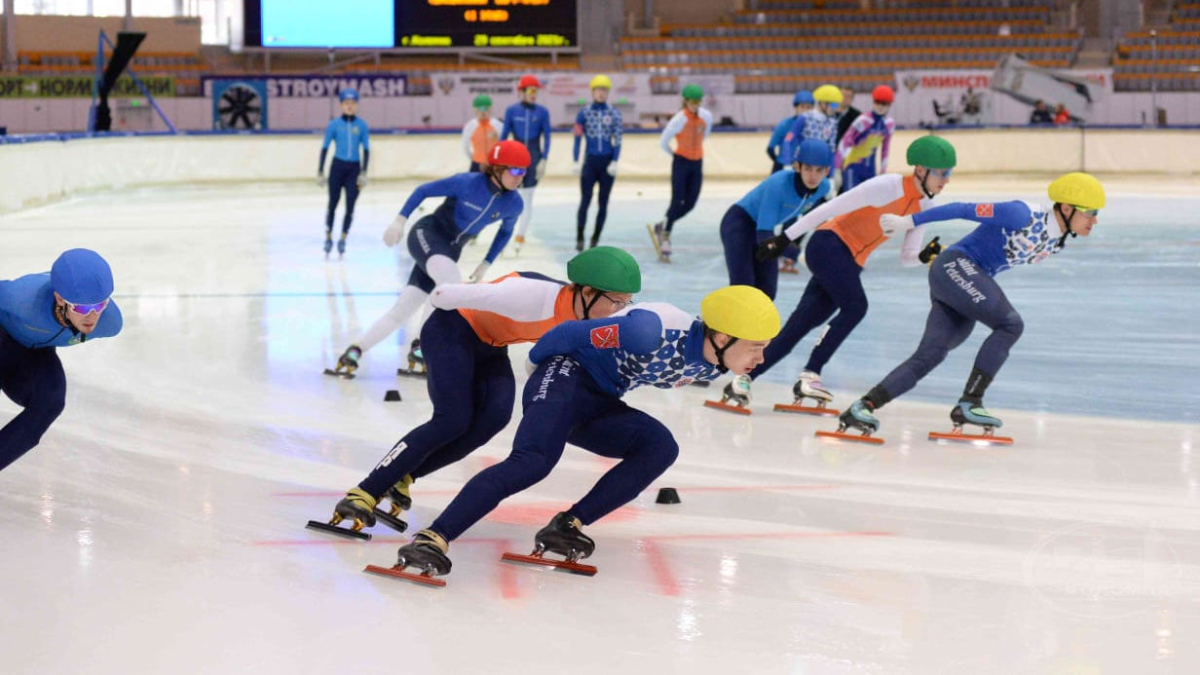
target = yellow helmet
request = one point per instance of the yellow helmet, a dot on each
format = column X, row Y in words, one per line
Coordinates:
column 742, row 312
column 827, row 93
column 1077, row 189
column 600, row 82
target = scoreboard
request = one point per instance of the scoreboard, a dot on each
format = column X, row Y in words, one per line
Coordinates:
column 412, row 24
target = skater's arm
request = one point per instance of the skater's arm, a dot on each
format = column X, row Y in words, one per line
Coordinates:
column 776, row 140
column 671, row 131
column 516, row 297
column 1011, row 215
column 506, row 229
column 637, row 331
column 509, row 124
column 875, row 192
column 329, row 134
column 616, row 135
column 545, row 117
column 468, row 131
column 706, row 115
column 366, row 159
column 885, row 148
column 579, row 128
column 499, row 126
column 911, row 249
column 438, row 188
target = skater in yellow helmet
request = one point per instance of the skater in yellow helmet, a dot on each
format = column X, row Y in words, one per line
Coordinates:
column 598, row 131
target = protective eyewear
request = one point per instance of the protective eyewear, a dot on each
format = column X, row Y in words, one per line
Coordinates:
column 940, row 173
column 619, row 304
column 517, row 171
column 1087, row 213
column 84, row 310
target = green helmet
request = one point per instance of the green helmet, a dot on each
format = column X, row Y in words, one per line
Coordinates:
column 931, row 152
column 693, row 92
column 606, row 268
column 482, row 102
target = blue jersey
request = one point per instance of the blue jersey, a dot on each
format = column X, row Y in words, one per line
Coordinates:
column 27, row 314
column 473, row 201
column 528, row 123
column 1009, row 233
column 652, row 344
column 775, row 145
column 348, row 136
column 812, row 124
column 781, row 197
column 600, row 125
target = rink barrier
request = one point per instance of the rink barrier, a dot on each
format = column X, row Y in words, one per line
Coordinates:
column 43, row 168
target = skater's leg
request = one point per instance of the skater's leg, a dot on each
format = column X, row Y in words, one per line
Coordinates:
column 815, row 308
column 841, row 276
column 335, row 193
column 738, row 239
column 678, row 191
column 587, row 185
column 645, row 447
column 34, row 380
column 351, row 184
column 494, row 393
column 606, row 186
column 527, row 213
column 410, row 300
column 766, row 272
column 449, row 349
column 695, row 178
column 557, row 396
column 945, row 329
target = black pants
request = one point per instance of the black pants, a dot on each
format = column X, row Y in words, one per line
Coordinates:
column 595, row 170
column 686, row 177
column 342, row 175
column 34, row 380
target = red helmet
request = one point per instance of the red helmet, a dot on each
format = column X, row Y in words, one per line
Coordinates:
column 527, row 82
column 509, row 153
column 883, row 94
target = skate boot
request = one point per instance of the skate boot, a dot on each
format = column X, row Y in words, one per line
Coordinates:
column 415, row 358
column 328, row 244
column 426, row 552
column 359, row 507
column 967, row 412
column 400, row 501
column 579, row 243
column 735, row 398
column 808, row 386
column 341, row 247
column 788, row 266
column 561, row 537
column 347, row 363
column 859, row 417
column 664, row 248
column 656, row 233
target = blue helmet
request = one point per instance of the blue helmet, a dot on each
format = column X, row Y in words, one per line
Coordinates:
column 348, row 94
column 803, row 97
column 81, row 277
column 813, row 153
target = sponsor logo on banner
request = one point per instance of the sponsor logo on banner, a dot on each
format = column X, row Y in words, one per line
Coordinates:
column 606, row 337
column 70, row 86
column 326, row 86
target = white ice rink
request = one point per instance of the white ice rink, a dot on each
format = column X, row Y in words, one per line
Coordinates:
column 159, row 527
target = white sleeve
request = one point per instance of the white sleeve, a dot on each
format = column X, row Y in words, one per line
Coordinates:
column 706, row 115
column 468, row 129
column 518, row 298
column 671, row 131
column 913, row 239
column 498, row 125
column 877, row 191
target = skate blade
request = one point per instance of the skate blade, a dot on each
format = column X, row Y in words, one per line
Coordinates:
column 853, row 438
column 339, row 531
column 654, row 240
column 408, row 372
column 818, row 409
column 727, row 407
column 788, row 270
column 334, row 373
column 399, row 573
column 390, row 520
column 564, row 565
column 976, row 439
column 664, row 258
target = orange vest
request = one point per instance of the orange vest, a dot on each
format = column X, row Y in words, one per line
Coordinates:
column 500, row 331
column 859, row 230
column 484, row 138
column 689, row 143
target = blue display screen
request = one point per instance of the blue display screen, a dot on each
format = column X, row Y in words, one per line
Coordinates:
column 329, row 23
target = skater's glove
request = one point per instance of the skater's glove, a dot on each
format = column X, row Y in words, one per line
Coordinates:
column 530, row 366
column 931, row 251
column 322, row 181
column 893, row 225
column 362, row 181
column 577, row 168
column 540, row 170
column 772, row 248
column 395, row 232
column 477, row 275
column 612, row 168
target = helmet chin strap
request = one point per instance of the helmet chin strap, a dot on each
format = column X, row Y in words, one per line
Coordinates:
column 497, row 175
column 586, row 304
column 720, row 351
column 1066, row 223
column 924, row 187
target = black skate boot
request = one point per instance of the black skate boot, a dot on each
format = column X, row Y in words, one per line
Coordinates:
column 400, row 501
column 347, row 363
column 426, row 552
column 359, row 507
column 578, row 243
column 561, row 536
column 415, row 358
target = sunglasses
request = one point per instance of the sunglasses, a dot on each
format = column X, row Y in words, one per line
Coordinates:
column 941, row 173
column 1088, row 213
column 517, row 171
column 84, row 310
